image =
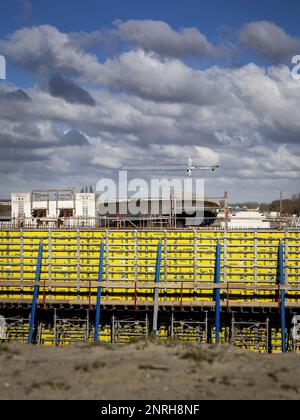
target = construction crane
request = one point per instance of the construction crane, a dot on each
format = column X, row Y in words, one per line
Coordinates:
column 189, row 168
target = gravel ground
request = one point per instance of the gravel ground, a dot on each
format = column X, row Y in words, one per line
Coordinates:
column 146, row 371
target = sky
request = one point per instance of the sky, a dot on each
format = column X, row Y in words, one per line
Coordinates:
column 94, row 85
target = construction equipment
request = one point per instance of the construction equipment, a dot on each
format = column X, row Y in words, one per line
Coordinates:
column 189, row 168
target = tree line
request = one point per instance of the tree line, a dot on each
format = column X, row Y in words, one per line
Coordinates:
column 290, row 206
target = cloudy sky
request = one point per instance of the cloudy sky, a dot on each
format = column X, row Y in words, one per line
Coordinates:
column 95, row 84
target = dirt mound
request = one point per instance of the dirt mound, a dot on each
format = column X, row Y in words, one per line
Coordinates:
column 146, row 370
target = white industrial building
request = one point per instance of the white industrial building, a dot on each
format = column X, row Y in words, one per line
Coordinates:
column 54, row 208
column 247, row 220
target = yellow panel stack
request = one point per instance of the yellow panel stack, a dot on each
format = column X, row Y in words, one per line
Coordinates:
column 71, row 263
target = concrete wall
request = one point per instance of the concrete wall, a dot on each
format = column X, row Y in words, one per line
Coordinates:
column 83, row 201
column 17, row 199
column 83, row 207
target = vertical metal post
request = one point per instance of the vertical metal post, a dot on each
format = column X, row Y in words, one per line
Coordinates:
column 98, row 304
column 147, row 325
column 172, row 326
column 268, row 348
column 40, row 333
column 218, row 292
column 195, row 264
column 282, row 297
column 113, row 338
column 156, row 290
column 206, row 328
column 22, row 262
column 225, row 250
column 286, row 257
column 165, row 263
column 166, row 257
column 55, row 328
column 136, row 269
column 232, row 329
column 35, row 293
column 181, row 297
column 78, row 264
column 50, row 262
column 107, row 255
column 87, row 327
column 255, row 264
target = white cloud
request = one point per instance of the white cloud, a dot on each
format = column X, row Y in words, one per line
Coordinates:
column 147, row 106
column 269, row 41
column 159, row 37
column 42, row 49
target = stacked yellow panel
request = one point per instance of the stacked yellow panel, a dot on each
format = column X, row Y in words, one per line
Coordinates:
column 249, row 259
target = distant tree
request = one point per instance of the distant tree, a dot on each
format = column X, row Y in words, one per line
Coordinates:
column 289, row 206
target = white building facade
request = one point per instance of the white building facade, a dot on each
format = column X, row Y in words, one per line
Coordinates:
column 54, row 208
column 247, row 220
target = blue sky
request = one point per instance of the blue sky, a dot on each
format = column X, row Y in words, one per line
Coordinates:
column 172, row 78
column 74, row 15
column 213, row 17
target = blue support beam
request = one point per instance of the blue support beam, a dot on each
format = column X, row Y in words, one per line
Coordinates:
column 282, row 297
column 218, row 292
column 35, row 293
column 156, row 291
column 98, row 304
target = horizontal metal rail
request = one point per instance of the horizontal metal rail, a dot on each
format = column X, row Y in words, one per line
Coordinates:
column 132, row 285
column 148, row 303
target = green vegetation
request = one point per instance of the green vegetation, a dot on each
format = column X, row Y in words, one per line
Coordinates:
column 200, row 355
column 58, row 386
column 290, row 206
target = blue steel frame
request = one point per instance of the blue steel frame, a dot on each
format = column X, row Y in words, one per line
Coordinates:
column 35, row 293
column 98, row 304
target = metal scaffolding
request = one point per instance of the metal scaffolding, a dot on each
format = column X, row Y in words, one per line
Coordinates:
column 251, row 335
column 124, row 330
column 71, row 330
column 14, row 330
column 189, row 330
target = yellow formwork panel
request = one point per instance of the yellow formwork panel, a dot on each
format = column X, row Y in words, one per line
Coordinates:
column 188, row 258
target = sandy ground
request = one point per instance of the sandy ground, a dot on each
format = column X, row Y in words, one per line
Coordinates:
column 147, row 371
